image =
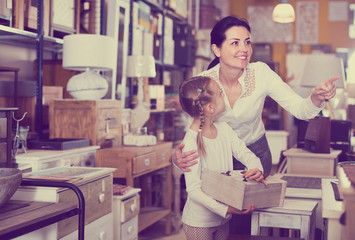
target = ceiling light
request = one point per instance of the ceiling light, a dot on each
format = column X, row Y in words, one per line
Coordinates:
column 283, row 12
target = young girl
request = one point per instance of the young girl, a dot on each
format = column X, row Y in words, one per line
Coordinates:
column 203, row 217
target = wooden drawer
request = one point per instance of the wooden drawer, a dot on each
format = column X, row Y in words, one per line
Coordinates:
column 164, row 153
column 144, row 163
column 108, row 118
column 98, row 202
column 129, row 230
column 112, row 137
column 100, row 229
column 130, row 208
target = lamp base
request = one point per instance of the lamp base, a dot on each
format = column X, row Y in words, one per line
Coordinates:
column 88, row 85
column 139, row 116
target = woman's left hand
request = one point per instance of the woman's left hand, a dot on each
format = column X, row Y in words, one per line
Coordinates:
column 324, row 91
column 255, row 174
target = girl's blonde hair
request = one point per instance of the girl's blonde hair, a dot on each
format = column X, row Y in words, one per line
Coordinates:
column 194, row 94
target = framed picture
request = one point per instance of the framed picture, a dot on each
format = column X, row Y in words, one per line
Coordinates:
column 63, row 16
column 352, row 21
column 5, row 10
column 118, row 27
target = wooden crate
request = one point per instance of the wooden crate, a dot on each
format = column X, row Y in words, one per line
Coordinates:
column 233, row 191
column 97, row 120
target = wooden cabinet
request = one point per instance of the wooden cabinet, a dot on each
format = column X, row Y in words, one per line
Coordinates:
column 97, row 120
column 96, row 187
column 143, row 162
column 125, row 215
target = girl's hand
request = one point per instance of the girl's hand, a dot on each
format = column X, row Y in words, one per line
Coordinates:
column 232, row 210
column 184, row 160
column 324, row 91
column 255, row 174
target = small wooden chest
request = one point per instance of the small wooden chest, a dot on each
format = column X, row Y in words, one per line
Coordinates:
column 97, row 120
column 233, row 191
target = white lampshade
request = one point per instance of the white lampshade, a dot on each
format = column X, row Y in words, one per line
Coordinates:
column 283, row 12
column 90, row 53
column 140, row 66
column 321, row 67
column 81, row 51
column 350, row 89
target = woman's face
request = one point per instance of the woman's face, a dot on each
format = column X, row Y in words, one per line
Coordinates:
column 219, row 98
column 236, row 49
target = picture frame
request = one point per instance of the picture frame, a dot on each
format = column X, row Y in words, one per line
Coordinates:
column 64, row 16
column 118, row 18
column 352, row 21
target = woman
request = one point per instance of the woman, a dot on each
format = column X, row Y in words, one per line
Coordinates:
column 245, row 86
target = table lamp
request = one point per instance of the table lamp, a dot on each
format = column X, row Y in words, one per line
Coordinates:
column 140, row 66
column 320, row 67
column 90, row 53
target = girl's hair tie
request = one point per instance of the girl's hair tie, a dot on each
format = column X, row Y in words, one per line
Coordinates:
column 200, row 90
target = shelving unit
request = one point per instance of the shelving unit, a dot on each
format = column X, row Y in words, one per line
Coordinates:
column 161, row 65
column 13, row 36
column 17, row 37
column 41, row 42
column 178, row 73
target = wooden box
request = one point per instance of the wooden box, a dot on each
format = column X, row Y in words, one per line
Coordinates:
column 300, row 161
column 97, row 120
column 233, row 191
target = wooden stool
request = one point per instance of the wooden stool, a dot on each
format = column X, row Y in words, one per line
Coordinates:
column 295, row 214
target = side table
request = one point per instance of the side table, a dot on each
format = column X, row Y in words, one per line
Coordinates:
column 300, row 161
column 132, row 162
column 295, row 214
column 305, row 187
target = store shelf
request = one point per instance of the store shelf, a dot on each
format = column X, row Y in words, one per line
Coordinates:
column 150, row 215
column 162, row 111
column 17, row 37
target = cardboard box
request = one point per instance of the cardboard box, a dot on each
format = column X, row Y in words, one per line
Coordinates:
column 157, row 97
column 233, row 191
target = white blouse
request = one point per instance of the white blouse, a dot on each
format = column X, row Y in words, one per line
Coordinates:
column 259, row 81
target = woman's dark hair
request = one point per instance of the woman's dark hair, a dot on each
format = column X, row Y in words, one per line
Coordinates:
column 194, row 94
column 218, row 33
